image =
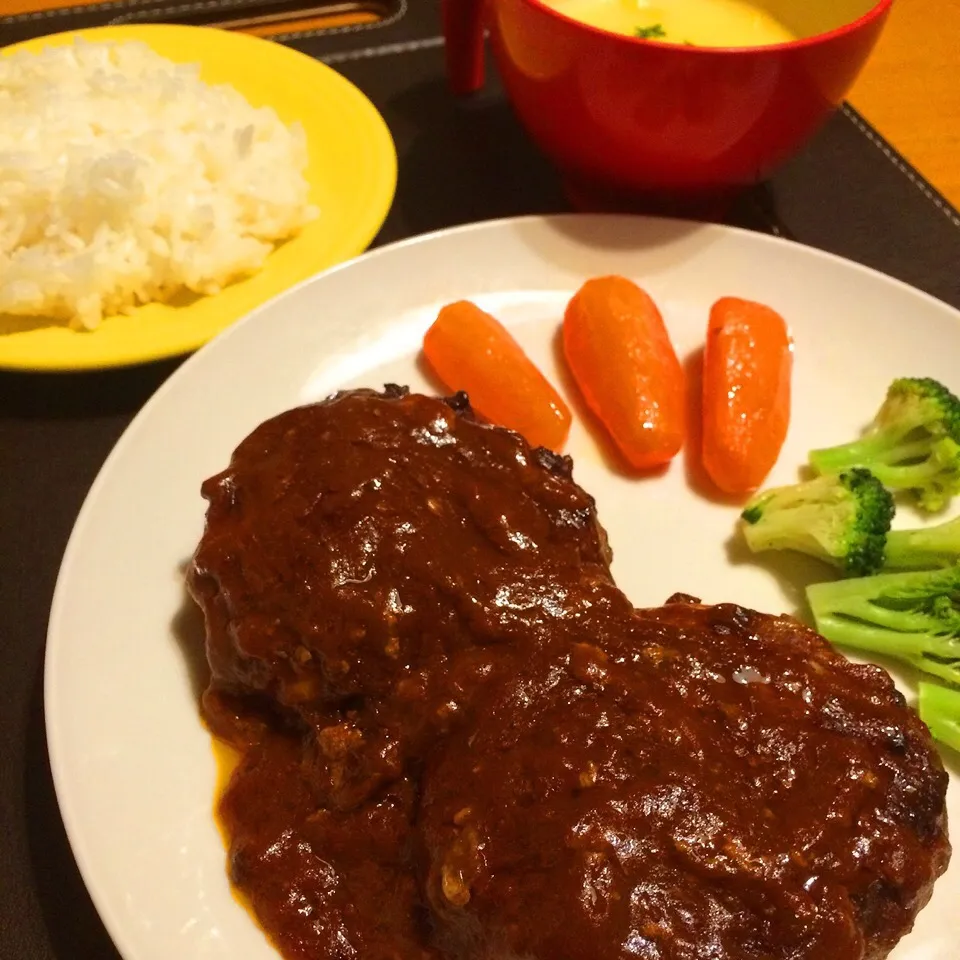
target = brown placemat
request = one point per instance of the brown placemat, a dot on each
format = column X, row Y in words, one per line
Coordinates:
column 467, row 160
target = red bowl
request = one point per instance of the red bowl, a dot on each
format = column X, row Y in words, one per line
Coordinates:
column 625, row 117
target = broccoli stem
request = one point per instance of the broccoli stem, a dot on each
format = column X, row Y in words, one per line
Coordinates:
column 836, row 459
column 909, row 648
column 940, row 711
column 888, row 642
column 899, row 466
column 924, row 548
column 940, row 669
column 893, row 599
column 908, row 616
column 781, row 531
column 862, row 611
column 908, row 476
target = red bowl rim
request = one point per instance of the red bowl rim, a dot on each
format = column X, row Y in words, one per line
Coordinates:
column 875, row 12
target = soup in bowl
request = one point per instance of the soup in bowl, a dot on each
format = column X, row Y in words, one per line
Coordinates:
column 715, row 23
column 705, row 23
column 665, row 101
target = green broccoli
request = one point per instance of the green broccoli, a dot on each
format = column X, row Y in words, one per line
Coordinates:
column 912, row 444
column 913, row 617
column 940, row 711
column 841, row 519
column 923, row 548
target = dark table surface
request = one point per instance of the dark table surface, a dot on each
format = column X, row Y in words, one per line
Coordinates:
column 848, row 193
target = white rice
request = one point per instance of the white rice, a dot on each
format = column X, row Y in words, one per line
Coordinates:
column 124, row 179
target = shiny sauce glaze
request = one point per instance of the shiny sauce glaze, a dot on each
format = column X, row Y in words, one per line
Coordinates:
column 459, row 739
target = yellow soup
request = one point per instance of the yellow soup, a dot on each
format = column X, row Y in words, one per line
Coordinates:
column 715, row 23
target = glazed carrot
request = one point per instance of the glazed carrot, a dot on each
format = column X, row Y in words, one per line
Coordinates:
column 747, row 364
column 621, row 356
column 470, row 350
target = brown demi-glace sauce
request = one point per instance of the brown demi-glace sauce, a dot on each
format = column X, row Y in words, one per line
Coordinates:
column 459, row 739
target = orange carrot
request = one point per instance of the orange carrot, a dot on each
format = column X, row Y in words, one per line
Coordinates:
column 747, row 364
column 470, row 350
column 621, row 356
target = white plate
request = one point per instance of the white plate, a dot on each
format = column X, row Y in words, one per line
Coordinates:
column 134, row 771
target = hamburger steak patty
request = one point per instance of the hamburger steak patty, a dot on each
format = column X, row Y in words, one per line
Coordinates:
column 459, row 739
column 722, row 785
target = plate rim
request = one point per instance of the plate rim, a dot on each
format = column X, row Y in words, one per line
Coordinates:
column 385, row 148
column 55, row 748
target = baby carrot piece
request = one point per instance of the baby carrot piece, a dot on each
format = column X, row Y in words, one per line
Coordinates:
column 747, row 364
column 470, row 350
column 621, row 356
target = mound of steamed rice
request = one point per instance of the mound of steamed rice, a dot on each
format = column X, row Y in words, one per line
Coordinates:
column 124, row 179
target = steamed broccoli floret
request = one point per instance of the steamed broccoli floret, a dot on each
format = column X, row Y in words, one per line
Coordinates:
column 841, row 519
column 924, row 548
column 912, row 444
column 940, row 711
column 914, row 617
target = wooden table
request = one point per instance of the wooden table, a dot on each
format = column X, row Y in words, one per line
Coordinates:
column 910, row 89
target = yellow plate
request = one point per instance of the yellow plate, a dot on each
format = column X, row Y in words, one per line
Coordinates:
column 352, row 173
